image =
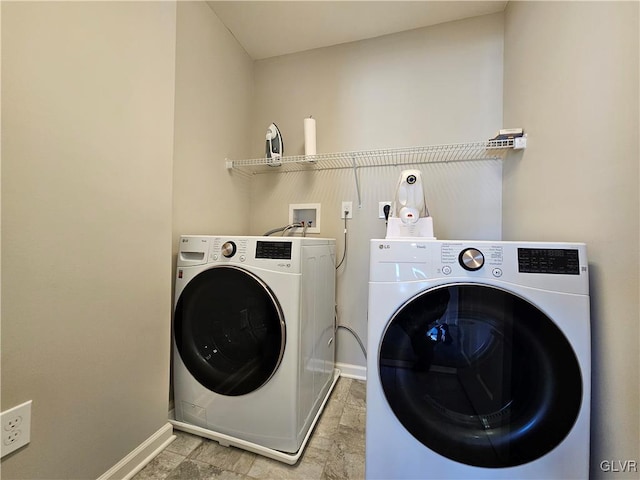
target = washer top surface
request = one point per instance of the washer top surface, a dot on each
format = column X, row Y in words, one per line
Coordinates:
column 561, row 267
column 271, row 253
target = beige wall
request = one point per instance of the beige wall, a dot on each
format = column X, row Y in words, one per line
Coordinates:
column 214, row 81
column 433, row 85
column 571, row 80
column 214, row 77
column 87, row 141
column 89, row 216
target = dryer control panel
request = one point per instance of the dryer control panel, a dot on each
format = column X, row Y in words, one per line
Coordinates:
column 471, row 258
column 561, row 265
column 555, row 261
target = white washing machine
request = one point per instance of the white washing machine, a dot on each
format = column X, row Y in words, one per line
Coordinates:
column 253, row 330
column 479, row 361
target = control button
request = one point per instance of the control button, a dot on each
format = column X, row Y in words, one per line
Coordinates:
column 497, row 272
column 229, row 249
column 471, row 259
column 215, row 257
column 446, row 269
column 242, row 258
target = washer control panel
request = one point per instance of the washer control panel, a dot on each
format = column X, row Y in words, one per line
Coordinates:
column 239, row 249
column 273, row 250
column 231, row 249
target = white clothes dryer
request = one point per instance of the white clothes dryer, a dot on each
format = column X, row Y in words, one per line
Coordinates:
column 253, row 329
column 479, row 361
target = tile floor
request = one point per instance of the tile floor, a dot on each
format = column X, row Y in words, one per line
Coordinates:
column 335, row 450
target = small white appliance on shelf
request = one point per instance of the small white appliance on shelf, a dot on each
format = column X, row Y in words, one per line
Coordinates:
column 410, row 215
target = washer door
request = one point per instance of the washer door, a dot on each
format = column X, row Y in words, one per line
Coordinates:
column 229, row 330
column 479, row 375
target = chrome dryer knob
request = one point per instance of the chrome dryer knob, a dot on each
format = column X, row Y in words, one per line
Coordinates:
column 229, row 249
column 471, row 259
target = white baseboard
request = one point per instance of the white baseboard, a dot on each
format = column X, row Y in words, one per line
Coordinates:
column 349, row 370
column 141, row 456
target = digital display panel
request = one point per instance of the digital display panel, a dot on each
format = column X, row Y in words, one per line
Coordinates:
column 548, row 260
column 274, row 250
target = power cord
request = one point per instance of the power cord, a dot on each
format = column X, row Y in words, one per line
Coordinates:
column 344, row 253
column 338, row 326
column 386, row 209
column 352, row 332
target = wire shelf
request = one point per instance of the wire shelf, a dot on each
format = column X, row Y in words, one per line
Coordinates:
column 454, row 152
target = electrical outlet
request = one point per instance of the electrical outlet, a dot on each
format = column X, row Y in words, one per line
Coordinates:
column 347, row 207
column 381, row 206
column 16, row 428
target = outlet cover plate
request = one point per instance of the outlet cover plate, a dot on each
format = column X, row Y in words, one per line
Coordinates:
column 15, row 428
column 381, row 208
column 347, row 207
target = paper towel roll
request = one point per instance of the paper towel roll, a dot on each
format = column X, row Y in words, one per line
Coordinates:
column 310, row 136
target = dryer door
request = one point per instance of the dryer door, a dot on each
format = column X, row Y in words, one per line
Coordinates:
column 229, row 330
column 480, row 375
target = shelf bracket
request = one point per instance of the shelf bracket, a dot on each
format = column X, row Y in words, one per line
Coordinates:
column 355, row 174
column 520, row 143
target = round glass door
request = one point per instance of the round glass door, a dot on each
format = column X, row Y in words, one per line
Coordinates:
column 480, row 375
column 229, row 330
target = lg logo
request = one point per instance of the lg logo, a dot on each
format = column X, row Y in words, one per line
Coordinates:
column 384, row 246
